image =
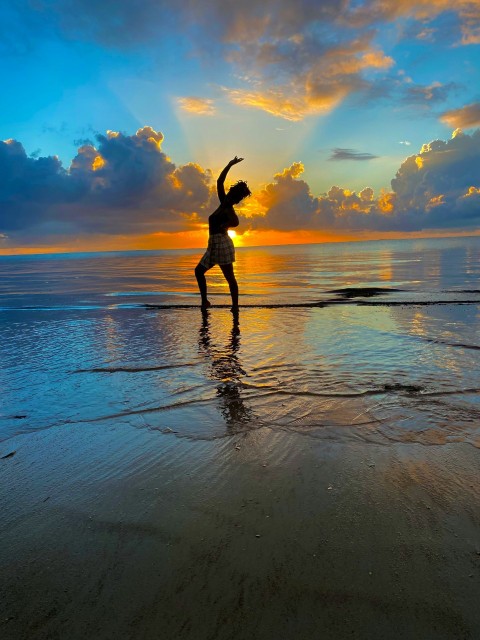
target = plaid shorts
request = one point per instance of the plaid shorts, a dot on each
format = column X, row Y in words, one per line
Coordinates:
column 220, row 250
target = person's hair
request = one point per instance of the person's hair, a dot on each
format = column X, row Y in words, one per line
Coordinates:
column 239, row 191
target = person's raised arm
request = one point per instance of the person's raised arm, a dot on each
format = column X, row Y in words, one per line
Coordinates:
column 223, row 175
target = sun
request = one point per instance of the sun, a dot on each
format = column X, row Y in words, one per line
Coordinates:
column 232, row 233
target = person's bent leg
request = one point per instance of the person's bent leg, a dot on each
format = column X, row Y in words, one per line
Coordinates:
column 200, row 271
column 227, row 270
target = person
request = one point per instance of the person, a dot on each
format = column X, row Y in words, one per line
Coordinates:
column 220, row 246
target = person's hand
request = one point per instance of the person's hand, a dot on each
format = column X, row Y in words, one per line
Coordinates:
column 236, row 160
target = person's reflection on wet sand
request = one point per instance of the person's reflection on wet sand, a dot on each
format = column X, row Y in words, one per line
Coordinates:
column 226, row 368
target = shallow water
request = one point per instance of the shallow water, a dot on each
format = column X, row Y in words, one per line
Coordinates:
column 387, row 348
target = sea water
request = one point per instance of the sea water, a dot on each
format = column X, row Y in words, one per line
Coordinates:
column 376, row 341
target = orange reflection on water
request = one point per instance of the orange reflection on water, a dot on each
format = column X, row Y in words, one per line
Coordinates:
column 386, row 270
column 418, row 324
column 262, row 262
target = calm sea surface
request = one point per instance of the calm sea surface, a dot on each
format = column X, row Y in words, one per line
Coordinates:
column 386, row 348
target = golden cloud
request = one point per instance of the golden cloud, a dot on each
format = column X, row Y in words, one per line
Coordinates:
column 98, row 163
column 197, row 106
column 294, row 171
column 293, row 74
column 472, row 192
column 435, row 201
column 376, row 60
column 424, row 11
column 465, row 117
column 283, row 102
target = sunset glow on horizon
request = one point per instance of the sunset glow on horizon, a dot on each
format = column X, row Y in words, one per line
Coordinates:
column 356, row 121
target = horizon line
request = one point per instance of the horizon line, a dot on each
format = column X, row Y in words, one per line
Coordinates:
column 237, row 247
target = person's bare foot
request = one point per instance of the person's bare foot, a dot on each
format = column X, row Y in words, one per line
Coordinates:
column 235, row 309
column 206, row 304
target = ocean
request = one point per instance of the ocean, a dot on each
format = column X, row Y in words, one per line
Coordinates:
column 371, row 341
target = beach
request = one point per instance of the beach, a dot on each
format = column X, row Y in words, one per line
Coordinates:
column 267, row 535
column 308, row 469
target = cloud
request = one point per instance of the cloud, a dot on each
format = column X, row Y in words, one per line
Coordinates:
column 428, row 94
column 465, row 117
column 124, row 184
column 426, row 34
column 293, row 105
column 304, row 75
column 466, row 27
column 121, row 23
column 437, row 188
column 197, row 106
column 289, row 58
column 441, row 168
column 350, row 154
column 287, row 201
column 280, row 48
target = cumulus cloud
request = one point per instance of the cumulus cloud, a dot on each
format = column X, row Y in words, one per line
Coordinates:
column 350, row 154
column 465, row 117
column 123, row 184
column 287, row 201
column 441, row 168
column 436, row 188
column 197, row 106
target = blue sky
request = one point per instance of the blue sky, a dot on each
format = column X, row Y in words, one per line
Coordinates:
column 348, row 89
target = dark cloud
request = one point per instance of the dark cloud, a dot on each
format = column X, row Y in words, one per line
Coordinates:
column 437, row 188
column 429, row 94
column 434, row 182
column 287, row 201
column 350, row 154
column 124, row 184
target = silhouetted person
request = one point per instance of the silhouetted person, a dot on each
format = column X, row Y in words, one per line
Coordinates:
column 227, row 370
column 220, row 246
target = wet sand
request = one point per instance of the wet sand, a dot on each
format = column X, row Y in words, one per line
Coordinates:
column 109, row 531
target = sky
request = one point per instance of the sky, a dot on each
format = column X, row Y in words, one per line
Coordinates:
column 356, row 119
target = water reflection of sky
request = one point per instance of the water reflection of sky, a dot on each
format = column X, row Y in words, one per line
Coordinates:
column 269, row 274
column 339, row 367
